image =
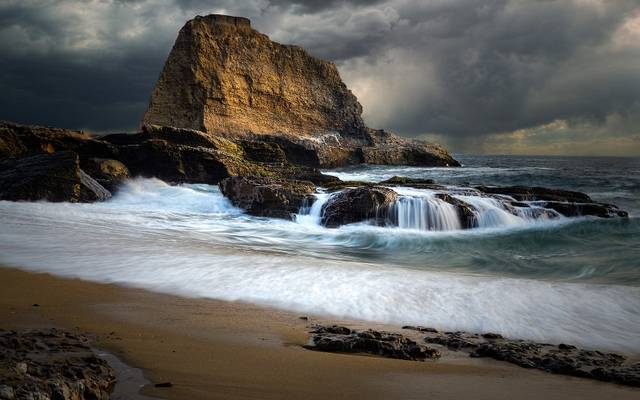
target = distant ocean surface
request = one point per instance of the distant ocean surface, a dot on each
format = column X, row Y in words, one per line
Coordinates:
column 573, row 280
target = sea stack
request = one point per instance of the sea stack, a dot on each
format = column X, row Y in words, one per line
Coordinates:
column 223, row 77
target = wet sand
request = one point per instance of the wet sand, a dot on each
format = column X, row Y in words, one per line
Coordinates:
column 222, row 350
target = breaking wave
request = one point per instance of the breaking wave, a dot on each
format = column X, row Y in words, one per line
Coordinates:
column 555, row 280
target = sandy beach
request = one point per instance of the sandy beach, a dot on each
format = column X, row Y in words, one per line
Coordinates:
column 222, row 350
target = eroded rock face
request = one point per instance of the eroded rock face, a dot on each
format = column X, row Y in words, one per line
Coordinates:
column 268, row 197
column 224, row 78
column 51, row 364
column 51, row 177
column 340, row 339
column 367, row 203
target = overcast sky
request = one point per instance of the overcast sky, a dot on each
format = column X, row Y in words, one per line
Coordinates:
column 480, row 76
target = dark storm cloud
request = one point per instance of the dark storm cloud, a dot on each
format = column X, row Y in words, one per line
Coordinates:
column 463, row 70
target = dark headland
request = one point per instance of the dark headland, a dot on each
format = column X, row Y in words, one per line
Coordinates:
column 260, row 119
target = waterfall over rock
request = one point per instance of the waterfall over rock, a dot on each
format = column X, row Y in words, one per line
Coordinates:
column 430, row 210
column 426, row 213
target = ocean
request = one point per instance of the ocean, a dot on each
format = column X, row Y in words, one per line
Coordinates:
column 570, row 280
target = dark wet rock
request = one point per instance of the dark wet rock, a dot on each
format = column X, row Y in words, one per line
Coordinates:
column 527, row 193
column 186, row 155
column 360, row 204
column 565, row 202
column 107, row 172
column 495, row 336
column 177, row 163
column 625, row 375
column 585, row 209
column 561, row 359
column 405, row 181
column 23, row 140
column 51, row 364
column 27, row 140
column 420, row 328
column 453, row 340
column 268, row 197
column 531, row 211
column 171, row 154
column 340, row 185
column 466, row 214
column 52, row 177
column 331, row 329
column 341, row 339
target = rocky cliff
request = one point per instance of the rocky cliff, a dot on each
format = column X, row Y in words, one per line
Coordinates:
column 223, row 77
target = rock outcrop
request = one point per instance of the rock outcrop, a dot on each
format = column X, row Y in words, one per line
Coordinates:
column 186, row 155
column 51, row 364
column 222, row 77
column 51, row 177
column 367, row 203
column 107, row 172
column 340, row 339
column 562, row 359
column 268, row 197
column 585, row 209
column 535, row 193
column 566, row 202
column 23, row 140
column 171, row 154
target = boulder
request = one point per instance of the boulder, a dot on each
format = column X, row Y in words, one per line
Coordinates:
column 224, row 78
column 340, row 339
column 367, row 203
column 268, row 197
column 52, row 177
column 107, row 172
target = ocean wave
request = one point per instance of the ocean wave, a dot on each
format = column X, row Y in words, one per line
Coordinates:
column 190, row 240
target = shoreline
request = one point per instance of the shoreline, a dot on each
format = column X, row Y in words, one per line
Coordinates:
column 217, row 349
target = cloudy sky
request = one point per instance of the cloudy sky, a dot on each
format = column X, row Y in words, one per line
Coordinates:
column 480, row 76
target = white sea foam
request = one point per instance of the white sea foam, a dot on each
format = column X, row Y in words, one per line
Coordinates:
column 190, row 241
